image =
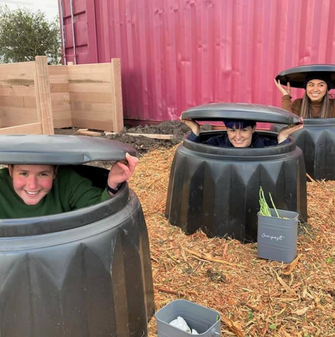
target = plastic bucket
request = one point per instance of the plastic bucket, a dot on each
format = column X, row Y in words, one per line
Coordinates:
column 277, row 237
column 204, row 320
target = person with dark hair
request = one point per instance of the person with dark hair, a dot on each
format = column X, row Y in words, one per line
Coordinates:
column 241, row 133
column 316, row 102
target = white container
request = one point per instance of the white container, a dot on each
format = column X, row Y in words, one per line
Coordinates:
column 204, row 320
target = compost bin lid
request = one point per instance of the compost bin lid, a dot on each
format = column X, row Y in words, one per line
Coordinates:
column 297, row 75
column 59, row 149
column 255, row 112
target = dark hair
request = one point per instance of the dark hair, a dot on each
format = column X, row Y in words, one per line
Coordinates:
column 239, row 123
column 322, row 76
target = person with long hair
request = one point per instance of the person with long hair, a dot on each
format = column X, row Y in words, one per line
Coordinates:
column 316, row 102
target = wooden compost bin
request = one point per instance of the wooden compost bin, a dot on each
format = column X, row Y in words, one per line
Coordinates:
column 36, row 98
column 25, row 102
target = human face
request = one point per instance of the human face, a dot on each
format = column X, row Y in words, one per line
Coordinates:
column 316, row 90
column 240, row 137
column 32, row 182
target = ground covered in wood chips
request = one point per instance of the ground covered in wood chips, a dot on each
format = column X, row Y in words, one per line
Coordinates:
column 254, row 296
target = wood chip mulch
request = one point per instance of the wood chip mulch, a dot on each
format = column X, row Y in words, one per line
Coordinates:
column 254, row 296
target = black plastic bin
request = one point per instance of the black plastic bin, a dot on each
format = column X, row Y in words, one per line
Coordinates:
column 80, row 273
column 317, row 138
column 216, row 189
column 317, row 142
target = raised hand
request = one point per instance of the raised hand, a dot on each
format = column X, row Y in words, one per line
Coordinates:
column 122, row 171
column 283, row 90
column 194, row 126
column 287, row 131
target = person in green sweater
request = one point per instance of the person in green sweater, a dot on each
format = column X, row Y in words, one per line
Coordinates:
column 316, row 102
column 39, row 190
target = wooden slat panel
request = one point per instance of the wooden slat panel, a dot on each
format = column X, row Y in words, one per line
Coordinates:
column 58, row 71
column 23, row 102
column 91, row 72
column 90, row 107
column 17, row 116
column 61, row 113
column 59, row 87
column 43, row 97
column 90, row 87
column 95, row 113
column 22, row 112
column 33, row 128
column 61, row 101
column 9, row 90
column 91, row 97
column 17, row 73
column 92, row 124
column 62, row 123
column 116, row 94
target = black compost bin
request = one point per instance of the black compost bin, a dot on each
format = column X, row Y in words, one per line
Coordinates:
column 81, row 273
column 317, row 141
column 317, row 138
column 216, row 189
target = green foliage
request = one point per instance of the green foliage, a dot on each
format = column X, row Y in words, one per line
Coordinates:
column 250, row 315
column 25, row 34
column 264, row 208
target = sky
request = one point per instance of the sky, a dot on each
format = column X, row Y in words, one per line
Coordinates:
column 49, row 7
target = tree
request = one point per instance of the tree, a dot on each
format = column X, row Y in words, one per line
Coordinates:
column 25, row 34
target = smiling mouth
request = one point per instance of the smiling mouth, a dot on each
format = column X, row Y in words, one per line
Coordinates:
column 31, row 192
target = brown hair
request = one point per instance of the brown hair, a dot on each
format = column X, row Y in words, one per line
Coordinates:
column 305, row 109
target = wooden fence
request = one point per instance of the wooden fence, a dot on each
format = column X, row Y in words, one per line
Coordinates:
column 36, row 97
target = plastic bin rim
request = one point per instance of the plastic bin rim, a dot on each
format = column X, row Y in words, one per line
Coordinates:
column 64, row 221
column 254, row 112
column 241, row 153
column 297, row 75
column 60, row 149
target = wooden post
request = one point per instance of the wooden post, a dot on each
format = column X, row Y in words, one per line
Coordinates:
column 43, row 96
column 116, row 92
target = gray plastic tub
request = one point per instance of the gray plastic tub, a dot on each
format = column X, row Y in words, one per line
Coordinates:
column 277, row 237
column 204, row 320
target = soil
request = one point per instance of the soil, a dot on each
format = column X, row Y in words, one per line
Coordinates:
column 144, row 144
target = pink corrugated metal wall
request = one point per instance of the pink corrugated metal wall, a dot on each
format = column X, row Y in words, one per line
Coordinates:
column 181, row 53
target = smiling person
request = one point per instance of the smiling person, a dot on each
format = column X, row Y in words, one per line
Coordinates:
column 39, row 190
column 241, row 133
column 316, row 103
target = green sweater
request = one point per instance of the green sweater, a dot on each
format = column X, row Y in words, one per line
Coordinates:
column 70, row 191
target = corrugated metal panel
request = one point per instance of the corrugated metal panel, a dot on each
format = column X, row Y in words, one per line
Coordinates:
column 181, row 53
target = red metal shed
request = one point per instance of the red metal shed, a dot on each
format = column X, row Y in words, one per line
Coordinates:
column 180, row 53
